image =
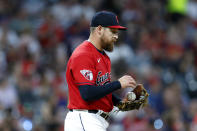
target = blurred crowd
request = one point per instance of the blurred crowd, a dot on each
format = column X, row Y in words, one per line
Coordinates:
column 159, row 49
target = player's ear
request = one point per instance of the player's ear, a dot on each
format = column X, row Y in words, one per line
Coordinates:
column 99, row 30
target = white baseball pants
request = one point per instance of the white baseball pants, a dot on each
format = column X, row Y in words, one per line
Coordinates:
column 84, row 121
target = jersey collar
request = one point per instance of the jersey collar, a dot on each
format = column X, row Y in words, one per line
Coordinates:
column 102, row 52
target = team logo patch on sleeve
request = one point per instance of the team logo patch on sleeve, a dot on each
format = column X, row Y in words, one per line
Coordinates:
column 87, row 74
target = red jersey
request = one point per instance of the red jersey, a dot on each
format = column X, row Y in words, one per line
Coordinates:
column 88, row 66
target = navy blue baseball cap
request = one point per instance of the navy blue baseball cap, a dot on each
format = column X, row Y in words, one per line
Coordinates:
column 106, row 19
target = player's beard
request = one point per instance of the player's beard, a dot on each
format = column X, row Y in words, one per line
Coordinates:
column 106, row 44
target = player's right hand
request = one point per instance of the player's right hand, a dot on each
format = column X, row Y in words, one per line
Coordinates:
column 127, row 81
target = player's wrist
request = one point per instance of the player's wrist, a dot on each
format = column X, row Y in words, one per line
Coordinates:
column 117, row 84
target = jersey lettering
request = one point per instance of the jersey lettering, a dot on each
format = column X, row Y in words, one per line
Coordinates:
column 102, row 78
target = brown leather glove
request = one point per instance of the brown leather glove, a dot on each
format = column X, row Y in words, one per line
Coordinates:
column 140, row 101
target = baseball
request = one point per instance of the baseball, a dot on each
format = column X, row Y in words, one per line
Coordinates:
column 131, row 96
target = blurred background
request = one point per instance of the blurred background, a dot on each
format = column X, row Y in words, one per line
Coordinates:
column 159, row 49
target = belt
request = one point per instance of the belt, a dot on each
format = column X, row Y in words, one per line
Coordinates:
column 104, row 115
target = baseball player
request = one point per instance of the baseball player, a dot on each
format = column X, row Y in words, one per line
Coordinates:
column 88, row 76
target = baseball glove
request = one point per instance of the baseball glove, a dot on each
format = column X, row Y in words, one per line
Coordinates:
column 140, row 101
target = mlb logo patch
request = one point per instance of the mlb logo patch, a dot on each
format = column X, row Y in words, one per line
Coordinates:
column 87, row 74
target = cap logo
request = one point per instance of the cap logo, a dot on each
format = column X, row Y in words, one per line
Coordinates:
column 106, row 19
column 117, row 19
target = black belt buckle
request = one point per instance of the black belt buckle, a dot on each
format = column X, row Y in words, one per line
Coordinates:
column 105, row 116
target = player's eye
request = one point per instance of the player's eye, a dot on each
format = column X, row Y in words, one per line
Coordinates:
column 114, row 31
